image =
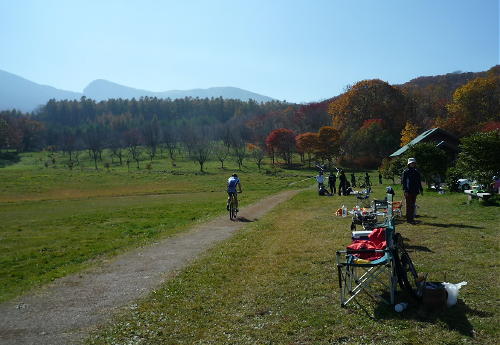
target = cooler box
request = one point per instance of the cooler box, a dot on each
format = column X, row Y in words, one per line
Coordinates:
column 360, row 235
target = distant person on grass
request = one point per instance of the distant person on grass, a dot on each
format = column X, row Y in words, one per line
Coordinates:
column 332, row 180
column 367, row 180
column 495, row 185
column 233, row 182
column 320, row 178
column 342, row 183
column 412, row 186
column 323, row 191
column 353, row 180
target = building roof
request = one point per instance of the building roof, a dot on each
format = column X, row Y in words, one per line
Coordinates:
column 419, row 139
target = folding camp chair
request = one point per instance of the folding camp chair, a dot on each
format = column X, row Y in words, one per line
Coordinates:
column 357, row 275
column 397, row 208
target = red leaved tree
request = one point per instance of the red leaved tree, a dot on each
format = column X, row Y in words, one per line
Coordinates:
column 282, row 142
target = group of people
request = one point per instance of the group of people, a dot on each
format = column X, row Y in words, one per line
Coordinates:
column 411, row 182
column 345, row 187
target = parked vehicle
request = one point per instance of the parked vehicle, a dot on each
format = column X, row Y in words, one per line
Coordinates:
column 464, row 184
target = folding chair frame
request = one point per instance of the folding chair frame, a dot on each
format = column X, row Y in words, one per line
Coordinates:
column 355, row 277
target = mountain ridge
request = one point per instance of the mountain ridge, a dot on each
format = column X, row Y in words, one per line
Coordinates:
column 38, row 94
column 25, row 95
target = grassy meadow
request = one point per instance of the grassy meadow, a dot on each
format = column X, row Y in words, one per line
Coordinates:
column 275, row 282
column 57, row 221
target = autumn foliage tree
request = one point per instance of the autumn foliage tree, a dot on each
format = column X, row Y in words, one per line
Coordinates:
column 473, row 105
column 369, row 145
column 409, row 133
column 364, row 107
column 328, row 143
column 282, row 141
column 307, row 143
column 369, row 99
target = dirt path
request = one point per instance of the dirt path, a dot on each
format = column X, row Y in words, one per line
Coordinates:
column 64, row 311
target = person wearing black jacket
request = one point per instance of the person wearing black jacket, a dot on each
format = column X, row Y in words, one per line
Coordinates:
column 342, row 183
column 353, row 180
column 332, row 180
column 412, row 186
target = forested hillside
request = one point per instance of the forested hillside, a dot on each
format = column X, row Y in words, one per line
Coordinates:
column 357, row 128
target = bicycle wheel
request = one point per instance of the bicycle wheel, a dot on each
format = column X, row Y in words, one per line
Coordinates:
column 406, row 272
column 231, row 209
column 235, row 213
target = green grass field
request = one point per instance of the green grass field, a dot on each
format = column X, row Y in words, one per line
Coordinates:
column 275, row 282
column 56, row 221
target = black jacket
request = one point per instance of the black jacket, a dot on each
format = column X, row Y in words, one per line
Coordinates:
column 411, row 181
column 332, row 179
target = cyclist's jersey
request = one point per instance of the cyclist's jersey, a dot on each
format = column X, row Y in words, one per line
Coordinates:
column 232, row 182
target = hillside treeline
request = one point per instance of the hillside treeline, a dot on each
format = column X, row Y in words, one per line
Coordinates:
column 360, row 127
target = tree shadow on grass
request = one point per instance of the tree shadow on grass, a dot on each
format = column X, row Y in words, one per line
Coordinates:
column 8, row 158
column 456, row 317
column 449, row 225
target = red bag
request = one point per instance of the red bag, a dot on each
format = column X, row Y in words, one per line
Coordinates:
column 376, row 241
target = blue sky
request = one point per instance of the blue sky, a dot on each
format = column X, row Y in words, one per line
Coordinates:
column 294, row 50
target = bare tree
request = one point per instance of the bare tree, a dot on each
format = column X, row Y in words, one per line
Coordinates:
column 151, row 135
column 257, row 154
column 201, row 147
column 169, row 139
column 133, row 141
column 94, row 136
column 188, row 137
column 221, row 152
column 116, row 144
column 240, row 153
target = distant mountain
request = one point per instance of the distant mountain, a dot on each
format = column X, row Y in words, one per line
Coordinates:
column 22, row 94
column 102, row 89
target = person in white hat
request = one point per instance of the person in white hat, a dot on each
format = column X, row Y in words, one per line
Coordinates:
column 412, row 186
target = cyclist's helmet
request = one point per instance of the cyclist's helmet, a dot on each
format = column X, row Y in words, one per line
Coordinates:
column 235, row 175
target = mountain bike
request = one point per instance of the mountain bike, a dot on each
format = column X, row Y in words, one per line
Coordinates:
column 233, row 211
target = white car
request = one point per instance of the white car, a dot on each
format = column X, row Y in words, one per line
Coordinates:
column 464, row 184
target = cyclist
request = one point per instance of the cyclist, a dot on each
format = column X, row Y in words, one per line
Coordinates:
column 232, row 183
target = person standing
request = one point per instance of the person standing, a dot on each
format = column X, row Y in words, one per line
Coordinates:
column 412, row 186
column 332, row 180
column 342, row 183
column 380, row 178
column 320, row 179
column 367, row 180
column 353, row 180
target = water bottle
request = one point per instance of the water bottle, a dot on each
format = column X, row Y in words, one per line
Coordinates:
column 400, row 307
column 344, row 211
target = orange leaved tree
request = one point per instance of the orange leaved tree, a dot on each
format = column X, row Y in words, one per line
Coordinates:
column 307, row 143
